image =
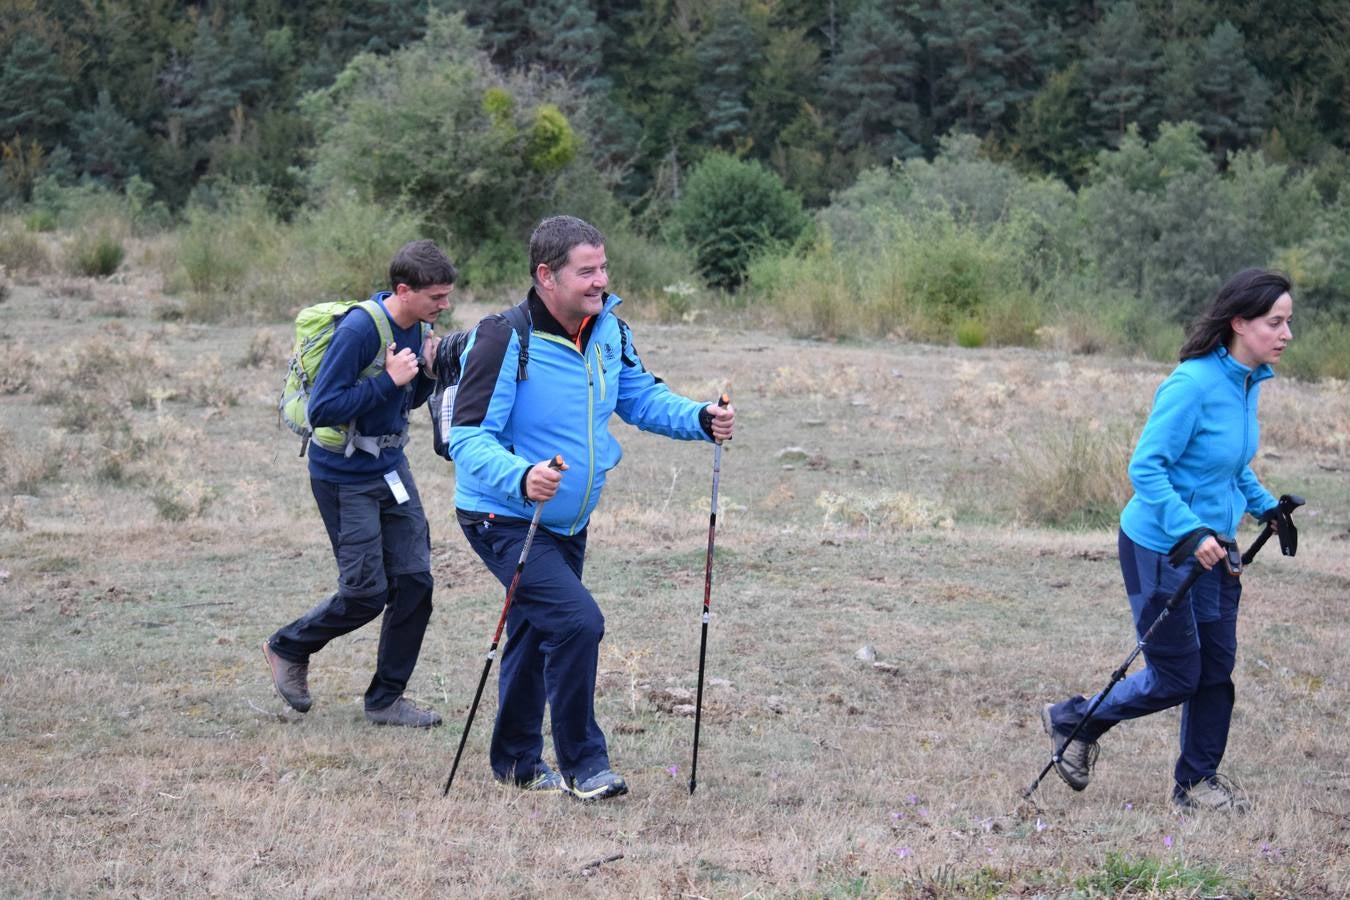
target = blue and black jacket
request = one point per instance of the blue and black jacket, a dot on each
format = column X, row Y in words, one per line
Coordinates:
column 1191, row 469
column 501, row 427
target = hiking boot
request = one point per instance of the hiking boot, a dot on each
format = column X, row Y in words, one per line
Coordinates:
column 544, row 781
column 290, row 679
column 1217, row 792
column 600, row 786
column 404, row 712
column 1076, row 760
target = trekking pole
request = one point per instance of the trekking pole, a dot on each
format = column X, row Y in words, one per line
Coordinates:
column 723, row 402
column 1119, row 673
column 1280, row 523
column 557, row 464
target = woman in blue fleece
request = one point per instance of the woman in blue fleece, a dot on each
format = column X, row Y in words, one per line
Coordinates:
column 1192, row 483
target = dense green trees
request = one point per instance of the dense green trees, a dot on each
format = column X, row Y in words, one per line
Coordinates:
column 872, row 81
column 1145, row 145
column 814, row 89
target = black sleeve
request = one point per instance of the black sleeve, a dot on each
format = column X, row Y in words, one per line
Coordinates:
column 481, row 368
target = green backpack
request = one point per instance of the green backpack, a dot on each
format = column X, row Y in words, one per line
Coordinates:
column 314, row 329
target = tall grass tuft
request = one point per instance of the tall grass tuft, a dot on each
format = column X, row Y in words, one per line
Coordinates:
column 1121, row 875
column 96, row 253
column 237, row 259
column 1074, row 477
column 932, row 279
column 657, row 280
column 22, row 252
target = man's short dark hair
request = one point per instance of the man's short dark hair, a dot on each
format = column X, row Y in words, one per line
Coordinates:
column 420, row 264
column 554, row 238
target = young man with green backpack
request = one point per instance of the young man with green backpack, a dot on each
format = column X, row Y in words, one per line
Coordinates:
column 371, row 368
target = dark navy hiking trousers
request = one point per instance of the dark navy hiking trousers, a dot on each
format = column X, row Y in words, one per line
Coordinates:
column 383, row 551
column 1188, row 661
column 553, row 633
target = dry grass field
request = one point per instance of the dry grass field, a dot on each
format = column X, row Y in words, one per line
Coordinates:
column 156, row 525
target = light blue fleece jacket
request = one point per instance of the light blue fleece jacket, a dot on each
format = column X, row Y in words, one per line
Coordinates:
column 1191, row 468
column 501, row 427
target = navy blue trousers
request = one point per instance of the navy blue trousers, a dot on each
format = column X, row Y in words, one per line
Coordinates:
column 383, row 551
column 553, row 633
column 1188, row 661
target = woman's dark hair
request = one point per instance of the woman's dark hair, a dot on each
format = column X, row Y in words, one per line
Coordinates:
column 1247, row 295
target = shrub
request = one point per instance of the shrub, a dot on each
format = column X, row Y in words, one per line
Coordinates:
column 1075, row 477
column 75, row 206
column 499, row 264
column 177, row 501
column 732, row 210
column 23, row 253
column 221, row 244
column 40, row 220
column 1320, row 349
column 816, row 297
column 657, row 280
column 96, row 253
column 971, row 333
column 894, row 510
column 24, row 465
column 236, row 258
column 477, row 153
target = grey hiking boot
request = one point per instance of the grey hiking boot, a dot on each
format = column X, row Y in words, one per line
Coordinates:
column 290, row 679
column 1076, row 760
column 600, row 786
column 1215, row 793
column 544, row 781
column 404, row 712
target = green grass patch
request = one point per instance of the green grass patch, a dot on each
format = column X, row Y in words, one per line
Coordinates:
column 96, row 254
column 1125, row 876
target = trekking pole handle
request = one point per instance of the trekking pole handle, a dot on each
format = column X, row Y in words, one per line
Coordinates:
column 722, row 403
column 1285, row 510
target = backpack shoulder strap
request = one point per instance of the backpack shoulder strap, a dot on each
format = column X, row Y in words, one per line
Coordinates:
column 381, row 320
column 518, row 317
column 625, row 343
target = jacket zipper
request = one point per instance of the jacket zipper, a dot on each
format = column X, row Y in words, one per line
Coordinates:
column 600, row 361
column 590, row 442
column 1246, row 437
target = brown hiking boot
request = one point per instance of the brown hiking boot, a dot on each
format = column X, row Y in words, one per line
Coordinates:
column 1215, row 793
column 1076, row 760
column 404, row 712
column 290, row 679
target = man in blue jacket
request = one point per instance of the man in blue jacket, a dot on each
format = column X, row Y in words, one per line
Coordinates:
column 582, row 369
column 366, row 494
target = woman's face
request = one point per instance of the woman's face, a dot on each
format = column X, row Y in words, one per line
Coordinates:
column 1263, row 339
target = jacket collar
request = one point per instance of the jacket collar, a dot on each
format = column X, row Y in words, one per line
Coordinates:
column 1237, row 372
column 542, row 320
